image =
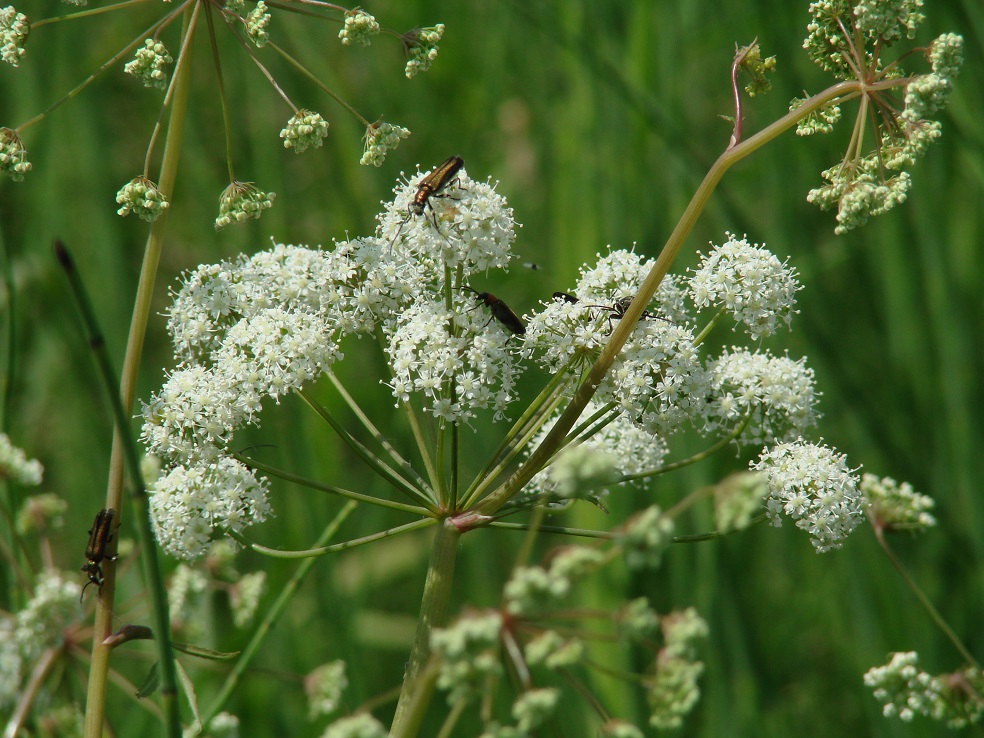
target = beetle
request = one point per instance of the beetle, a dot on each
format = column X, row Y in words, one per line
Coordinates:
column 566, row 297
column 500, row 311
column 431, row 185
column 100, row 535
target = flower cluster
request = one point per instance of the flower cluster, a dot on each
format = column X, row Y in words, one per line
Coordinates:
column 469, row 654
column 190, row 503
column 907, row 691
column 645, row 537
column 150, row 64
column 362, row 725
column 535, row 588
column 267, row 325
column 15, row 465
column 831, row 20
column 359, row 28
column 324, row 687
column 672, row 690
column 380, row 139
column 848, row 39
column 141, row 197
column 421, row 47
column 240, row 202
column 813, row 486
column 749, row 282
column 256, row 25
column 13, row 155
column 660, row 382
column 39, row 626
column 775, row 394
column 304, row 130
column 14, row 28
column 895, row 506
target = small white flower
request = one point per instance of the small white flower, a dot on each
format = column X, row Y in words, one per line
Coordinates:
column 776, row 392
column 750, row 282
column 189, row 504
column 813, row 486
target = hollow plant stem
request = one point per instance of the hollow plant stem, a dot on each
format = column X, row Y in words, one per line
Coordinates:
column 99, row 668
column 433, row 614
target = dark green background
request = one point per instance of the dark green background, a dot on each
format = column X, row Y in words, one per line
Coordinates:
column 598, row 120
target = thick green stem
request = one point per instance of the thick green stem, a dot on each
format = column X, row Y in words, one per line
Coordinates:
column 99, row 669
column 626, row 325
column 433, row 614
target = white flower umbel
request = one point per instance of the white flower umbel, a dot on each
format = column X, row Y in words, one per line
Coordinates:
column 458, row 360
column 264, row 326
column 190, row 503
column 775, row 392
column 466, row 226
column 813, row 486
column 750, row 282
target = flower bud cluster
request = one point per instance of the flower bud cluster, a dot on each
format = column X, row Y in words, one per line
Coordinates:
column 380, row 139
column 15, row 465
column 304, row 130
column 906, row 691
column 13, row 155
column 257, row 23
column 359, row 28
column 141, row 197
column 421, row 48
column 150, row 64
column 242, row 201
column 14, row 29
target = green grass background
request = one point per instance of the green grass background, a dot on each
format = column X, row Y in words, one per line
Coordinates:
column 598, row 119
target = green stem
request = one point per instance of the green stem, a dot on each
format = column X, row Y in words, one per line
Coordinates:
column 414, row 697
column 99, row 668
column 375, row 463
column 381, row 439
column 91, row 78
column 341, row 492
column 674, row 243
column 335, row 547
column 317, row 82
column 923, row 599
column 273, row 614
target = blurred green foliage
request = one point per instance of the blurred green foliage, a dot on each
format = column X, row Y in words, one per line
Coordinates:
column 598, row 119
